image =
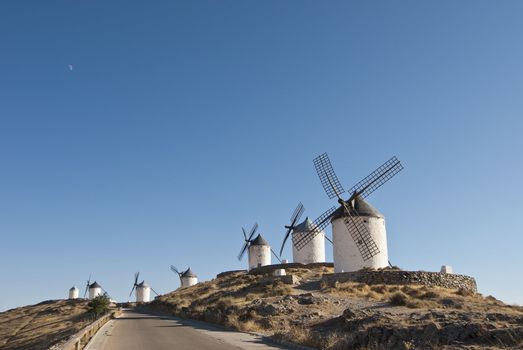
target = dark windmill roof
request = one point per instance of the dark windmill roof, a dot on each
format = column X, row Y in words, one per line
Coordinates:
column 188, row 273
column 73, row 288
column 363, row 208
column 259, row 241
column 305, row 226
column 95, row 285
column 143, row 285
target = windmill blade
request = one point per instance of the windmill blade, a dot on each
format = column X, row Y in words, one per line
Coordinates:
column 276, row 256
column 244, row 249
column 154, row 291
column 244, row 233
column 136, row 278
column 327, row 176
column 253, row 231
column 376, row 179
column 132, row 290
column 87, row 285
column 328, row 239
column 106, row 294
column 300, row 240
column 174, row 269
column 360, row 234
column 285, row 239
column 296, row 215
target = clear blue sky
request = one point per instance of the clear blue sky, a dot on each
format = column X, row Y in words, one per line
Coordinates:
column 182, row 121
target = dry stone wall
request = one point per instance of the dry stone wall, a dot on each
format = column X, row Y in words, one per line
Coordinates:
column 445, row 280
column 269, row 268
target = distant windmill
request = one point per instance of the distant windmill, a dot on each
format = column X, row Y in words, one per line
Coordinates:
column 143, row 290
column 94, row 289
column 87, row 286
column 73, row 292
column 296, row 215
column 259, row 250
column 187, row 277
column 358, row 229
column 314, row 250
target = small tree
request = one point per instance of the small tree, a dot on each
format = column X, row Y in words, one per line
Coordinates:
column 99, row 306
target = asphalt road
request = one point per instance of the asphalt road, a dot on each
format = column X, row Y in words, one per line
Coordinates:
column 139, row 331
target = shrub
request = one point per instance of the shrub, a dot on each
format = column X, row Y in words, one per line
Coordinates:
column 99, row 306
column 429, row 295
column 379, row 288
column 324, row 285
column 373, row 295
column 399, row 299
column 464, row 292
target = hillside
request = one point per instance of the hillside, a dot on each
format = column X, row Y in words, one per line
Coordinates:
column 42, row 325
column 312, row 311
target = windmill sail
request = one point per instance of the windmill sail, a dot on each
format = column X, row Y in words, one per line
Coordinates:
column 296, row 215
column 377, row 178
column 301, row 240
column 328, row 178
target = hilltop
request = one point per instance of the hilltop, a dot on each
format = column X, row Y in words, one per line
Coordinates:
column 42, row 325
column 307, row 308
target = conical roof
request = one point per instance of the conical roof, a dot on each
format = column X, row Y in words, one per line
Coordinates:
column 188, row 273
column 259, row 240
column 95, row 285
column 358, row 207
column 305, row 226
column 143, row 285
column 73, row 288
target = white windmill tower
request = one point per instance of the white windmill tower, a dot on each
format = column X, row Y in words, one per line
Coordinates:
column 95, row 290
column 143, row 290
column 73, row 293
column 314, row 250
column 359, row 238
column 187, row 277
column 259, row 250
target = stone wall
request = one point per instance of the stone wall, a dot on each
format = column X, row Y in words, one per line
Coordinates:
column 445, row 280
column 269, row 268
column 232, row 272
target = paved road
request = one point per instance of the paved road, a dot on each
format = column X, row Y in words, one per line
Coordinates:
column 139, row 331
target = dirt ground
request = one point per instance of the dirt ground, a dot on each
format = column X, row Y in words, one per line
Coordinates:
column 349, row 315
column 42, row 325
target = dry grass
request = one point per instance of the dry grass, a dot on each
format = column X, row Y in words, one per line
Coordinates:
column 234, row 300
column 40, row 326
column 399, row 299
column 415, row 296
column 305, row 336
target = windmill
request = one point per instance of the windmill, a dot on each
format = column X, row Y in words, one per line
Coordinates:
column 136, row 274
column 296, row 215
column 94, row 289
column 73, row 292
column 143, row 290
column 258, row 248
column 187, row 277
column 248, row 240
column 314, row 250
column 87, row 286
column 357, row 217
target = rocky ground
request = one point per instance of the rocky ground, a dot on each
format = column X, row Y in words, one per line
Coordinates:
column 349, row 315
column 42, row 325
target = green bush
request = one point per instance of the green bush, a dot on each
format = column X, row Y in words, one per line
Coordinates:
column 99, row 306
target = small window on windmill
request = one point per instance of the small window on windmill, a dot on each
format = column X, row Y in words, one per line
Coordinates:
column 365, row 221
